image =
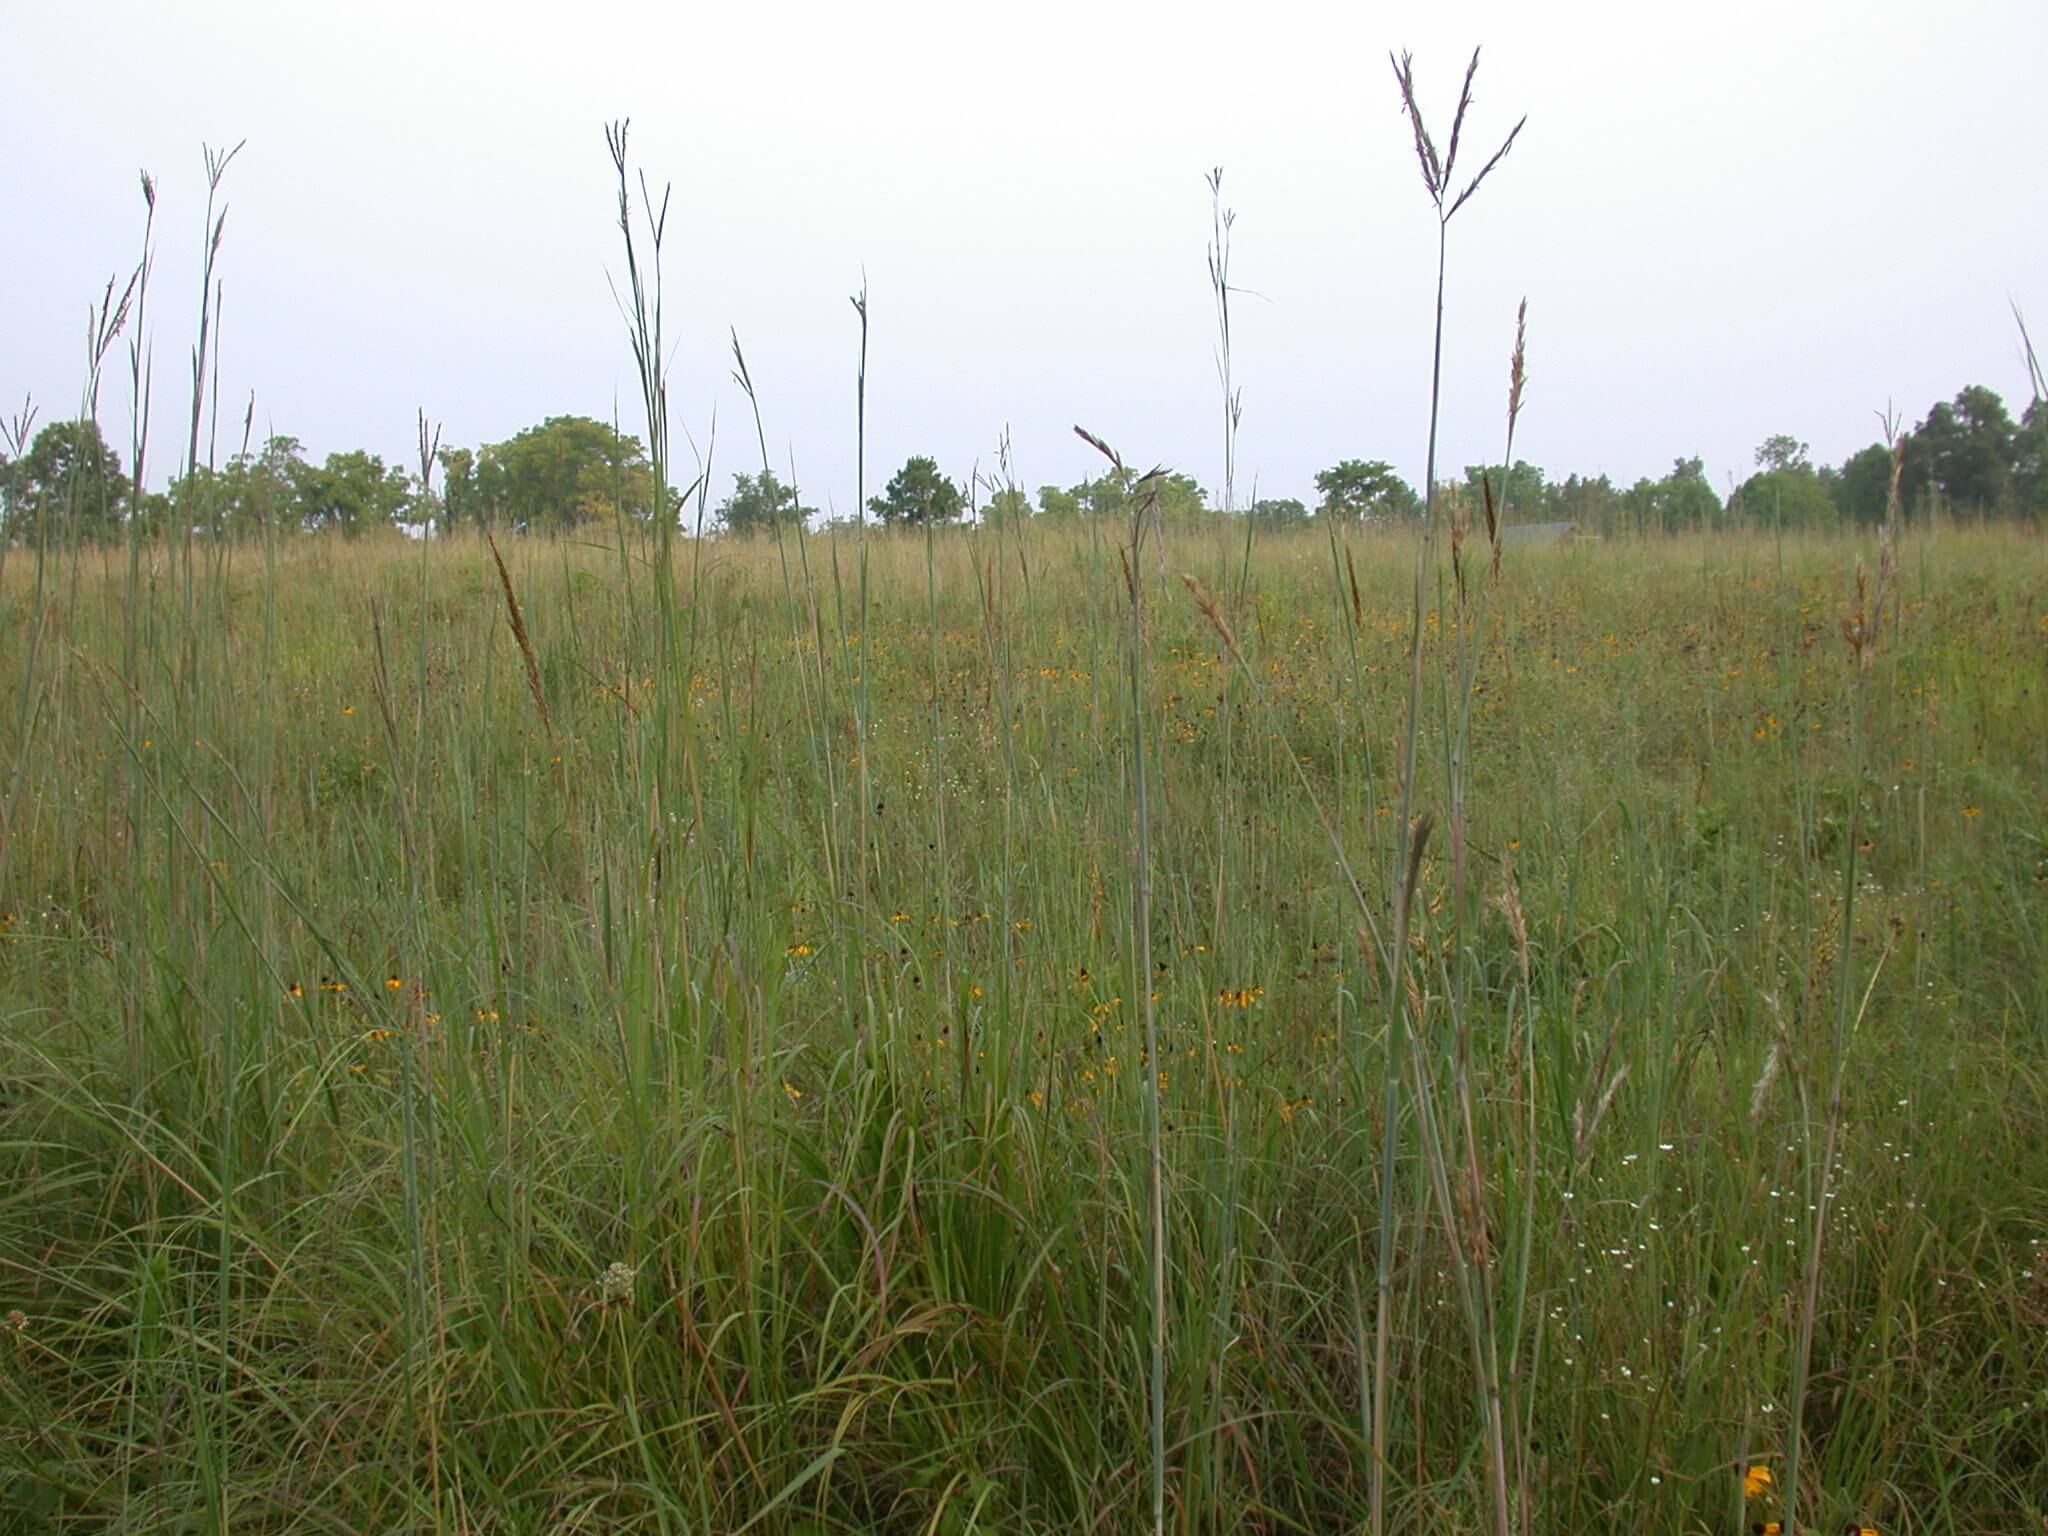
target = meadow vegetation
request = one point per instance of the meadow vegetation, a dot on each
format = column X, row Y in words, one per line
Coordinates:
column 1138, row 1019
column 694, row 1077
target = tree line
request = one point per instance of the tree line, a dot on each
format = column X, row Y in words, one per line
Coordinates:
column 1967, row 455
column 555, row 477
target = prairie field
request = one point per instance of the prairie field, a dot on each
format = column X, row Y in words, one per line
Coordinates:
column 810, row 1035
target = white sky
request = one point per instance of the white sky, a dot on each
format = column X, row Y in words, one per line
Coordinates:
column 1730, row 219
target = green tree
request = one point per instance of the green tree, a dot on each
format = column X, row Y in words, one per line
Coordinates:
column 1061, row 506
column 1365, row 490
column 563, row 473
column 1685, row 499
column 252, row 493
column 1781, row 450
column 916, row 494
column 1863, row 484
column 1792, row 496
column 1964, row 449
column 1520, row 489
column 2030, row 461
column 1593, row 505
column 1679, row 503
column 69, row 482
column 1181, row 501
column 352, row 493
column 460, row 503
column 1007, row 508
column 761, row 504
column 1279, row 512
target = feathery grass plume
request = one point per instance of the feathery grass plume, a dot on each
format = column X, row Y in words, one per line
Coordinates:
column 1760, row 1092
column 1473, row 616
column 19, row 430
column 1460, row 523
column 1213, row 612
column 1586, row 1120
column 217, row 163
column 1861, row 626
column 204, row 350
column 518, row 622
column 1221, row 220
column 641, row 308
column 1510, row 904
column 1518, row 379
column 138, row 355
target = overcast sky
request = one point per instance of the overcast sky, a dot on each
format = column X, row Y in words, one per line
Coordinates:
column 1730, row 219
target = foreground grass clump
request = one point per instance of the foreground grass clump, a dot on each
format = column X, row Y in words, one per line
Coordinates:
column 681, row 1068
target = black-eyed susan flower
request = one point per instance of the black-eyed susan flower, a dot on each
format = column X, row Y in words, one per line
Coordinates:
column 393, row 983
column 1756, row 1482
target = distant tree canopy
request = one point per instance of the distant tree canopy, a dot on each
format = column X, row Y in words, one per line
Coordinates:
column 568, row 471
column 1789, row 496
column 1279, row 512
column 918, row 494
column 1781, row 450
column 352, row 492
column 1365, row 491
column 258, row 491
column 761, row 504
column 1180, row 499
column 1679, row 503
column 1968, row 455
column 1863, row 483
column 68, row 484
column 1592, row 505
column 1964, row 450
column 1007, row 507
column 2030, row 461
column 1517, row 489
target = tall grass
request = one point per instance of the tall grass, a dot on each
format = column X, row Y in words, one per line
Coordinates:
column 788, row 1037
column 851, row 1238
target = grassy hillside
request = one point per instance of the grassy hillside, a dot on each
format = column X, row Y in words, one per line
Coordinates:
column 673, row 1055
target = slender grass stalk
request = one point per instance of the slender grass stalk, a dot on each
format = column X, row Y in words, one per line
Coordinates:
column 1437, row 174
column 1221, row 220
column 1861, row 630
column 1143, row 499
